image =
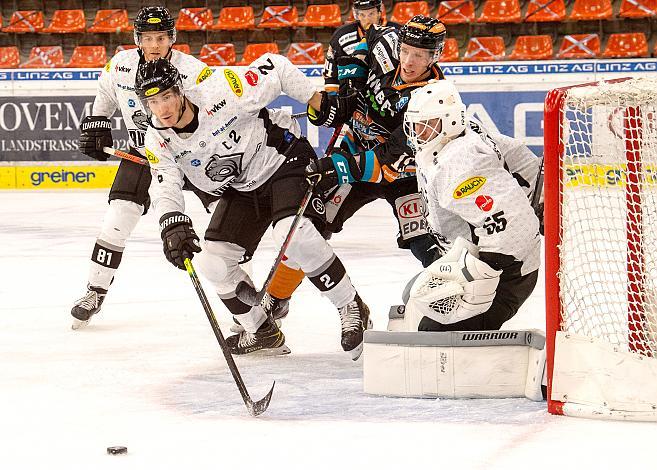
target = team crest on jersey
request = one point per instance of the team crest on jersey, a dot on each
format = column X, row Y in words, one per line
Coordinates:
column 151, row 157
column 140, row 120
column 469, row 186
column 224, row 168
column 234, row 82
column 205, row 73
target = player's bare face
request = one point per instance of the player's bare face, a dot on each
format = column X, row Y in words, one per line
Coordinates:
column 166, row 107
column 368, row 17
column 155, row 44
column 414, row 63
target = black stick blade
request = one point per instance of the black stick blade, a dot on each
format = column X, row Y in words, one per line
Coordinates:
column 260, row 406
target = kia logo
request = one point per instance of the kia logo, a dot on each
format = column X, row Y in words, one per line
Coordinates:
column 411, row 209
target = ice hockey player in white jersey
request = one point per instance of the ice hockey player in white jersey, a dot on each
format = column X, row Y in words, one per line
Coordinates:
column 155, row 35
column 476, row 188
column 229, row 144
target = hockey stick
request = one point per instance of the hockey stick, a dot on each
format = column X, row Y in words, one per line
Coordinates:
column 125, row 155
column 538, row 188
column 255, row 408
column 299, row 115
column 245, row 291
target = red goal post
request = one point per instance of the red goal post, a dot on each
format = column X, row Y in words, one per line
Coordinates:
column 600, row 150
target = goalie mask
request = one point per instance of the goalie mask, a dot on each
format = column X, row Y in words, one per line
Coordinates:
column 154, row 79
column 154, row 19
column 435, row 115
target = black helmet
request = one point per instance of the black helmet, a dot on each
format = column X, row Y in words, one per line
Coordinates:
column 424, row 32
column 367, row 4
column 154, row 19
column 156, row 77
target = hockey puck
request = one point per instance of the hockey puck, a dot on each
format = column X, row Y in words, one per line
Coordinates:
column 117, row 450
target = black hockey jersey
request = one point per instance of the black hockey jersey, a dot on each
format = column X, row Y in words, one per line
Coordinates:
column 375, row 115
column 342, row 43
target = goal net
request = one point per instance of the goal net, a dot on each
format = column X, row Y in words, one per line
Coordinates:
column 601, row 248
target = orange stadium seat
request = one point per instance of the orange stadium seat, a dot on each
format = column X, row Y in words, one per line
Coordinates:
column 533, row 48
column 404, row 11
column 235, row 18
column 88, row 56
column 638, row 9
column 44, row 57
column 451, row 51
column 485, row 48
column 194, row 19
column 253, row 51
column 579, row 46
column 306, row 53
column 500, row 11
column 110, row 21
column 544, row 11
column 456, row 12
column 124, row 47
column 66, row 21
column 322, row 16
column 9, row 57
column 584, row 10
column 218, row 54
column 622, row 45
column 281, row 16
column 184, row 48
column 25, row 21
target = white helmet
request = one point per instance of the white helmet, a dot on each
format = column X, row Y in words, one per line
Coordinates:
column 434, row 116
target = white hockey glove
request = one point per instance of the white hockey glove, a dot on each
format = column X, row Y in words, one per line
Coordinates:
column 453, row 288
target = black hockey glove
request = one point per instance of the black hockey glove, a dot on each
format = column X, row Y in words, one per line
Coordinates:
column 328, row 172
column 352, row 74
column 95, row 133
column 180, row 240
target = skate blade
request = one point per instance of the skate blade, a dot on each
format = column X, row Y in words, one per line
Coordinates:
column 264, row 352
column 79, row 324
column 356, row 352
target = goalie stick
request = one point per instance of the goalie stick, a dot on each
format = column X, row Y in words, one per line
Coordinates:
column 255, row 408
column 245, row 291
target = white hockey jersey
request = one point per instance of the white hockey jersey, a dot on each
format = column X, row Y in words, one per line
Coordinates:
column 478, row 187
column 116, row 89
column 229, row 147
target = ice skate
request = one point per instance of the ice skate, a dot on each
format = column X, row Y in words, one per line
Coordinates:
column 355, row 319
column 269, row 340
column 274, row 307
column 87, row 306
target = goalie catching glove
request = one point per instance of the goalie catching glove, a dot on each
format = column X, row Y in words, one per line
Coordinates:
column 180, row 240
column 453, row 288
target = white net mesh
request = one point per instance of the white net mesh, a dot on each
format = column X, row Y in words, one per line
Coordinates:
column 608, row 246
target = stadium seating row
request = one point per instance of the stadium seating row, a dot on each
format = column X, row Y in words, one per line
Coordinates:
column 212, row 54
column 320, row 16
column 490, row 48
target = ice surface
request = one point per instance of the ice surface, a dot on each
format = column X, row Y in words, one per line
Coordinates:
column 147, row 372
